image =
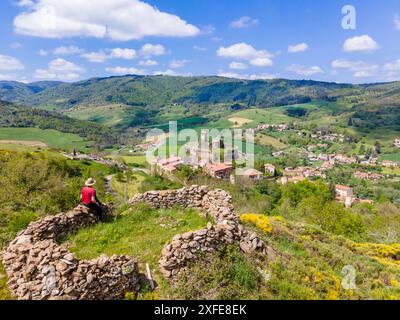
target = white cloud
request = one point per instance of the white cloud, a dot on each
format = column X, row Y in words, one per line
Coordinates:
column 304, row 70
column 25, row 3
column 301, row 47
column 96, row 57
column 127, row 54
column 244, row 22
column 60, row 69
column 148, row 63
column 168, row 72
column 65, row 51
column 244, row 51
column 149, row 50
column 262, row 76
column 208, row 29
column 173, row 73
column 43, row 53
column 391, row 71
column 261, row 62
column 198, row 48
column 15, row 45
column 7, row 77
column 392, row 66
column 8, row 63
column 397, row 21
column 121, row 20
column 116, row 53
column 362, row 43
column 229, row 75
column 360, row 69
column 125, row 70
column 237, row 65
column 176, row 64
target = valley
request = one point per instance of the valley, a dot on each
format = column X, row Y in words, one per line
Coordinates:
column 325, row 183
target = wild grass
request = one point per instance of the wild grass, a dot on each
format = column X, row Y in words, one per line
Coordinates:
column 5, row 293
column 266, row 140
column 139, row 232
column 227, row 275
column 125, row 187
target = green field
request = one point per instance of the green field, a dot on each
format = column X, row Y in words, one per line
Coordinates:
column 110, row 115
column 135, row 160
column 266, row 140
column 391, row 157
column 259, row 116
column 18, row 148
column 53, row 138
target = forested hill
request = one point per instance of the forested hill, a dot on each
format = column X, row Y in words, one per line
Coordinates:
column 160, row 90
column 14, row 91
column 133, row 100
column 12, row 115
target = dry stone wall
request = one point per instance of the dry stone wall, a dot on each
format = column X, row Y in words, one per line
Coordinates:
column 39, row 268
column 186, row 247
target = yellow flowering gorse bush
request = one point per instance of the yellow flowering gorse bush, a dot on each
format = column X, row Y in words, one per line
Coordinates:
column 260, row 221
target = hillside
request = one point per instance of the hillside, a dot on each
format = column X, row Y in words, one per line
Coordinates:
column 159, row 90
column 14, row 116
column 13, row 91
column 380, row 107
column 132, row 101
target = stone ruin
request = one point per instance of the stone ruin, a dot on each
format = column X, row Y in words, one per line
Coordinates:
column 39, row 268
column 226, row 230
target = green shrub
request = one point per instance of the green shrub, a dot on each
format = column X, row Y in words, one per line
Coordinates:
column 20, row 220
column 332, row 217
column 227, row 275
column 157, row 183
column 306, row 189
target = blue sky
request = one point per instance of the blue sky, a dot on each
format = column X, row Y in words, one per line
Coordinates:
column 70, row 40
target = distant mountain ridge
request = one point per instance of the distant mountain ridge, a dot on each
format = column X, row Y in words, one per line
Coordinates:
column 13, row 91
column 138, row 99
column 156, row 91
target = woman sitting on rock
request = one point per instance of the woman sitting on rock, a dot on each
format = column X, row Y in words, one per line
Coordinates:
column 89, row 198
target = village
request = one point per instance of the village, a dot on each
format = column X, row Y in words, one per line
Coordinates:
column 205, row 157
column 366, row 167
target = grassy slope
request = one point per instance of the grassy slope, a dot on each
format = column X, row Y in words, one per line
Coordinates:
column 52, row 138
column 310, row 265
column 305, row 262
column 266, row 140
column 135, row 160
column 109, row 115
column 125, row 189
column 4, row 292
column 140, row 232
